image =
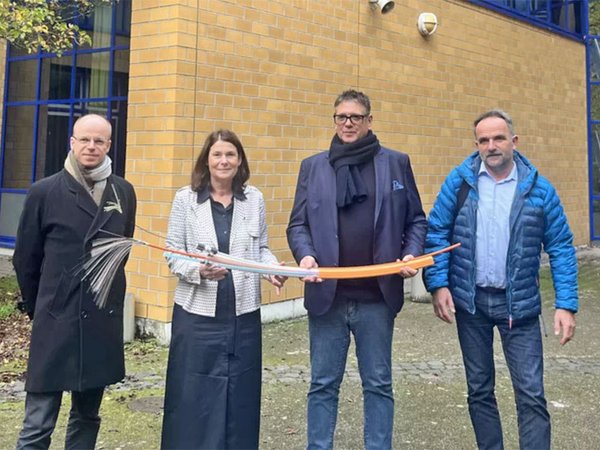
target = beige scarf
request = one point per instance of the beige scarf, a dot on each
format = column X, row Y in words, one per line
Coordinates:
column 93, row 180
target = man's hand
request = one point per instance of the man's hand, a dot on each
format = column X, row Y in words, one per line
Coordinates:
column 443, row 305
column 407, row 272
column 564, row 320
column 309, row 262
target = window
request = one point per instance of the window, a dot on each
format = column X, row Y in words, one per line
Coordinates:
column 46, row 94
column 593, row 78
column 563, row 16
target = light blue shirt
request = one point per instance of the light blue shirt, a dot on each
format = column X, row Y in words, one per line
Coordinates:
column 493, row 227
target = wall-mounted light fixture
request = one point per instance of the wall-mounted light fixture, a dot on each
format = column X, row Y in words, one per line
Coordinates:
column 384, row 5
column 427, row 23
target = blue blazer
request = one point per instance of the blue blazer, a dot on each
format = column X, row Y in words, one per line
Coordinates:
column 400, row 224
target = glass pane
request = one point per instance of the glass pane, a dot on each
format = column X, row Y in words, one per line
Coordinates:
column 594, row 59
column 56, row 78
column 576, row 16
column 123, row 20
column 568, row 15
column 18, row 148
column 594, row 17
column 121, row 74
column 595, row 159
column 98, row 25
column 595, row 106
column 17, row 51
column 596, row 218
column 68, row 12
column 53, row 139
column 11, row 205
column 91, row 79
column 119, row 136
column 22, row 80
column 540, row 9
column 557, row 9
column 80, row 109
column 522, row 6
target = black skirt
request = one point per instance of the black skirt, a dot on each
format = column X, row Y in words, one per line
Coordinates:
column 213, row 386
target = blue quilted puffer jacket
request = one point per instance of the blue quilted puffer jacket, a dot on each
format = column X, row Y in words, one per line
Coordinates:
column 537, row 219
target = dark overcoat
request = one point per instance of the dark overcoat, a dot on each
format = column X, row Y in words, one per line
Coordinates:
column 74, row 344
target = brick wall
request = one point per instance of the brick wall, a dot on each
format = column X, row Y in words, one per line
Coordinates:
column 271, row 69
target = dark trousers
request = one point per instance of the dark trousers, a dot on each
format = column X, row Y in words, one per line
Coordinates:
column 41, row 412
column 522, row 345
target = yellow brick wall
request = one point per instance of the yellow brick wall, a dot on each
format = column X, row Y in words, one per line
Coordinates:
column 271, row 69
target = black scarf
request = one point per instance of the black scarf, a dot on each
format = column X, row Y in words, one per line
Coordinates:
column 344, row 158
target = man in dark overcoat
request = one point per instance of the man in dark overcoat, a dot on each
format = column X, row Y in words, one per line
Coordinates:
column 75, row 345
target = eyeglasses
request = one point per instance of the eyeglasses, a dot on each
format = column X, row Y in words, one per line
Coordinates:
column 95, row 141
column 355, row 119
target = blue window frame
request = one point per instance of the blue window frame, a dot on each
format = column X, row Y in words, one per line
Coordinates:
column 593, row 77
column 565, row 17
column 44, row 94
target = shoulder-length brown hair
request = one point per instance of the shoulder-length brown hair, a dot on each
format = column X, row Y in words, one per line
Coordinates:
column 201, row 174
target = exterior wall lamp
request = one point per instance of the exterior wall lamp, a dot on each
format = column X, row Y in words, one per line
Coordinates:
column 427, row 23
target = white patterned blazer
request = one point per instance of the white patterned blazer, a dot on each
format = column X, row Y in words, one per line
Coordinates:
column 191, row 223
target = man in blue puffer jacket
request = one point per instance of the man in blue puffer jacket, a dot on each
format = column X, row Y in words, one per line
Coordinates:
column 502, row 211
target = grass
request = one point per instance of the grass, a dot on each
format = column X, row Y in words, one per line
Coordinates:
column 431, row 413
column 6, row 310
column 145, row 356
column 9, row 293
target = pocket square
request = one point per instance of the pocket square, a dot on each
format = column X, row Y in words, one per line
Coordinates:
column 396, row 185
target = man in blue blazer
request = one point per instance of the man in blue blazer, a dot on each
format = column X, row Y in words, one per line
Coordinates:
column 356, row 204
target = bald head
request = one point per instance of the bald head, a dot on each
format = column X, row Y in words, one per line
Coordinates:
column 90, row 141
column 93, row 118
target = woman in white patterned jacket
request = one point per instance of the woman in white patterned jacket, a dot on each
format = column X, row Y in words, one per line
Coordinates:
column 213, row 387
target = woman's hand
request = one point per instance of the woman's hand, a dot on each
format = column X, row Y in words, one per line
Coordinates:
column 211, row 272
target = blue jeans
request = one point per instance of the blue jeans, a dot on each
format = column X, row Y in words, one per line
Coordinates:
column 522, row 345
column 372, row 325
